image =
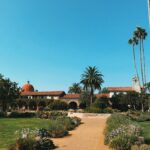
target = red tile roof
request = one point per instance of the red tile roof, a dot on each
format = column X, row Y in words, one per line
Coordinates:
column 71, row 96
column 43, row 93
column 120, row 89
column 106, row 95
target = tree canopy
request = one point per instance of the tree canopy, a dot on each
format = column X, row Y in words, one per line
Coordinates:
column 9, row 91
column 92, row 79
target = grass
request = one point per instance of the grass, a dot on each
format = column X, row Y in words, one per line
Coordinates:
column 9, row 126
column 146, row 129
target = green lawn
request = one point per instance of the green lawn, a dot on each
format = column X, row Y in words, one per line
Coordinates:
column 146, row 129
column 9, row 126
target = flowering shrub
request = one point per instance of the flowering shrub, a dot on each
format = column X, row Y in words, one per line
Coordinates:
column 121, row 132
column 26, row 133
column 26, row 140
column 51, row 114
column 56, row 129
column 43, row 133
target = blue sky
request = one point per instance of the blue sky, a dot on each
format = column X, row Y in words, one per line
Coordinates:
column 50, row 42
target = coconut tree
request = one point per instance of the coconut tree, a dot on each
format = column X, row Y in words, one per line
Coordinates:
column 141, row 34
column 75, row 88
column 92, row 79
column 134, row 41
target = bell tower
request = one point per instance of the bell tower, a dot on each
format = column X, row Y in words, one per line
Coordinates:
column 136, row 84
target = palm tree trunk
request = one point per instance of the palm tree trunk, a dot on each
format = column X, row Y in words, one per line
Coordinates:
column 142, row 107
column 91, row 95
column 135, row 67
column 141, row 62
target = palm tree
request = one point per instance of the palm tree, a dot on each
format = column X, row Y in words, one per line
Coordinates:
column 149, row 10
column 75, row 88
column 141, row 34
column 134, row 41
column 91, row 80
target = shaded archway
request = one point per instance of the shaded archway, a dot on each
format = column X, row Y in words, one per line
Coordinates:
column 41, row 105
column 22, row 104
column 73, row 105
column 32, row 105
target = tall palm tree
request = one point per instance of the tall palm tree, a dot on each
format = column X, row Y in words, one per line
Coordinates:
column 149, row 10
column 92, row 79
column 75, row 88
column 141, row 34
column 134, row 41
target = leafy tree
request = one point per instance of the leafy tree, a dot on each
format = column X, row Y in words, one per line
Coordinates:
column 104, row 90
column 58, row 105
column 84, row 99
column 101, row 103
column 75, row 88
column 92, row 79
column 133, row 99
column 9, row 91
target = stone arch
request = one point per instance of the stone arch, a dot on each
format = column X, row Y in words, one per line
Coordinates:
column 22, row 104
column 73, row 105
column 32, row 105
column 41, row 105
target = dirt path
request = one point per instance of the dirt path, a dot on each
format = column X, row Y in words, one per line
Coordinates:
column 88, row 136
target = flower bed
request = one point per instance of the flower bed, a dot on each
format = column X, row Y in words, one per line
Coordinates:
column 121, row 132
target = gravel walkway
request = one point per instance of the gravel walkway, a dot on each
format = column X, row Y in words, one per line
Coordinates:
column 88, row 136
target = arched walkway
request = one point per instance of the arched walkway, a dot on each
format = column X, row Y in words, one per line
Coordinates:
column 73, row 105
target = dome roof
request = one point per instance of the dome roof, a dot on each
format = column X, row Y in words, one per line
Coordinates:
column 28, row 87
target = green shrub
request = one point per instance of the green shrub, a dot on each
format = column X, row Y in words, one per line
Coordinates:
column 92, row 109
column 57, row 130
column 108, row 110
column 25, row 143
column 44, row 144
column 32, row 144
column 146, row 140
column 141, row 147
column 42, row 133
column 51, row 114
column 22, row 115
column 101, row 103
column 138, row 116
column 67, row 123
column 58, row 105
column 76, row 121
column 2, row 115
column 56, row 114
column 121, row 142
column 12, row 147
